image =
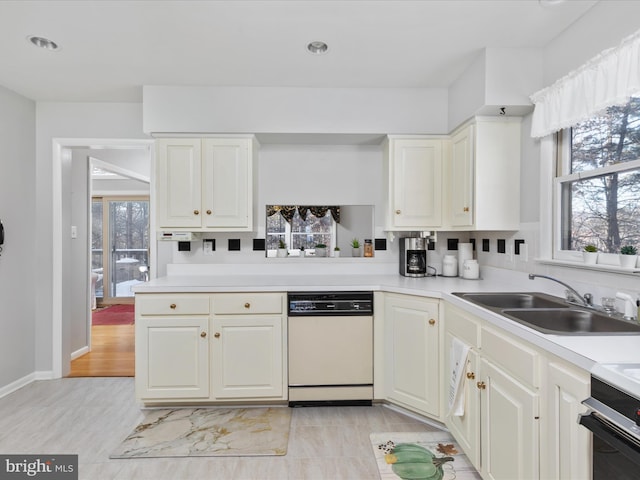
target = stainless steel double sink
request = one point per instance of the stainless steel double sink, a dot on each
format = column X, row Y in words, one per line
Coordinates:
column 551, row 315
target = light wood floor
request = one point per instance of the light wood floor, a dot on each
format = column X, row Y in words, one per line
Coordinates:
column 89, row 417
column 112, row 353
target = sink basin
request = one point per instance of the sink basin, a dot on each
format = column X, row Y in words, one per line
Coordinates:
column 570, row 321
column 514, row 300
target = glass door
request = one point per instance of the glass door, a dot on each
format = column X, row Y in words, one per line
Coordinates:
column 120, row 227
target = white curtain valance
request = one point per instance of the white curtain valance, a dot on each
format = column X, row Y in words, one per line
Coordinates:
column 608, row 79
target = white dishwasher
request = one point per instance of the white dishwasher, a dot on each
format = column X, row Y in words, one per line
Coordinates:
column 330, row 348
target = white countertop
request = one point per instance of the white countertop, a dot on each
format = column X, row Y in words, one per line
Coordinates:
column 586, row 352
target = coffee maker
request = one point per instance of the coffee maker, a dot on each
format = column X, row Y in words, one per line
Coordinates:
column 413, row 257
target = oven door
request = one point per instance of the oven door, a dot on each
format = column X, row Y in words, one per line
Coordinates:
column 616, row 444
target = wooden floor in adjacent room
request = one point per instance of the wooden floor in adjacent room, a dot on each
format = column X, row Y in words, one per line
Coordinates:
column 112, row 353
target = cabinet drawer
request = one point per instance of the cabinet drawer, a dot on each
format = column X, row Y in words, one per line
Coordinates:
column 512, row 356
column 462, row 327
column 247, row 303
column 172, row 304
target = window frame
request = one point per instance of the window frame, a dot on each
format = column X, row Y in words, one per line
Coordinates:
column 561, row 166
column 288, row 238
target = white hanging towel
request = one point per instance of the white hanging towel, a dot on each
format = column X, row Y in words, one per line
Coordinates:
column 459, row 353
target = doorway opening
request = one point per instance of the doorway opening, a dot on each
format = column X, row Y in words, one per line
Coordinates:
column 116, row 253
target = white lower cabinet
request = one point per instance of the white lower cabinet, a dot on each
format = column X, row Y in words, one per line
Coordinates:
column 412, row 365
column 218, row 347
column 565, row 453
column 521, row 405
column 172, row 357
column 247, row 357
column 508, row 425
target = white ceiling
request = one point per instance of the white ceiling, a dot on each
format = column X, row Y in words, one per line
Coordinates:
column 109, row 49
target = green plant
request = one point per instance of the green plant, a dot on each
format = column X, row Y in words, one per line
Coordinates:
column 321, row 245
column 281, row 244
column 355, row 243
column 337, row 249
column 629, row 250
column 590, row 248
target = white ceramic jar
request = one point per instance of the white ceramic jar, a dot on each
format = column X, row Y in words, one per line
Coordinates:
column 449, row 266
column 471, row 270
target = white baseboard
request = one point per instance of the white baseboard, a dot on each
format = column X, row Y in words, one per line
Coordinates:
column 79, row 352
column 26, row 380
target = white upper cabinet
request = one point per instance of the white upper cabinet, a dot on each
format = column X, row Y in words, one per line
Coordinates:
column 413, row 184
column 205, row 184
column 483, row 175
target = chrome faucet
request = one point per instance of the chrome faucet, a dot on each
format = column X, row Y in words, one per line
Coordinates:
column 586, row 299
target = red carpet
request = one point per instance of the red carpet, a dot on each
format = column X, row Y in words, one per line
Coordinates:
column 113, row 315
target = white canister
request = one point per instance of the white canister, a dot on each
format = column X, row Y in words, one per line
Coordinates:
column 471, row 270
column 465, row 252
column 449, row 266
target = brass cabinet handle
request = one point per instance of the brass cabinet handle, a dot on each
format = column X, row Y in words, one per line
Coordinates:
column 217, row 334
column 481, row 385
column 432, row 321
column 203, row 334
column 471, row 375
column 398, row 212
column 465, row 209
column 208, row 212
column 173, row 306
column 247, row 305
column 196, row 212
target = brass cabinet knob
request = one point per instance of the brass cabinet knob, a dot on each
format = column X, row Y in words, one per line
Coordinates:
column 481, row 385
column 203, row 334
column 217, row 334
column 247, row 305
column 173, row 306
column 432, row 321
column 208, row 212
column 398, row 212
column 465, row 209
column 196, row 212
column 471, row 375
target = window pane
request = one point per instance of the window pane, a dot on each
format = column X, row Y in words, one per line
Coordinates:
column 609, row 139
column 96, row 244
column 276, row 229
column 603, row 211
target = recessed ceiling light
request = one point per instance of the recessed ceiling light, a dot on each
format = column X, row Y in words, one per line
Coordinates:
column 43, row 42
column 318, row 48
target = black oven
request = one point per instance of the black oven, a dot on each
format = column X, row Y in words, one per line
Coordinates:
column 614, row 419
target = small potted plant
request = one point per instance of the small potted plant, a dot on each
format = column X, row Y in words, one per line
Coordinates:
column 355, row 247
column 628, row 256
column 321, row 250
column 590, row 254
column 282, row 249
column 336, row 252
column 302, row 251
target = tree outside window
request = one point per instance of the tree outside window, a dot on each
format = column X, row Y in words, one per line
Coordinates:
column 600, row 192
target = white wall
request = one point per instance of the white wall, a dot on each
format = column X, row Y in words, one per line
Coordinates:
column 294, row 110
column 66, row 121
column 19, row 269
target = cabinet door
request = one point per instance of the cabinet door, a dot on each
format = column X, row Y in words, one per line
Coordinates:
column 226, row 183
column 466, row 428
column 416, row 167
column 411, row 353
column 509, row 426
column 567, row 449
column 178, row 173
column 172, row 357
column 247, row 357
column 461, row 192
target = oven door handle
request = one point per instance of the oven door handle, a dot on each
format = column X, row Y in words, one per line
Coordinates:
column 626, row 447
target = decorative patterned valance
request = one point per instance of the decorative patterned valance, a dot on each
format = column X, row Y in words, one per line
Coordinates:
column 288, row 211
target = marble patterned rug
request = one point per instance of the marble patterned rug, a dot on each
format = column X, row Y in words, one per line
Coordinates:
column 424, row 455
column 207, row 432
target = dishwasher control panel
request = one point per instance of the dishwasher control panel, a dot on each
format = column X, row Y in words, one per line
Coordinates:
column 330, row 303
